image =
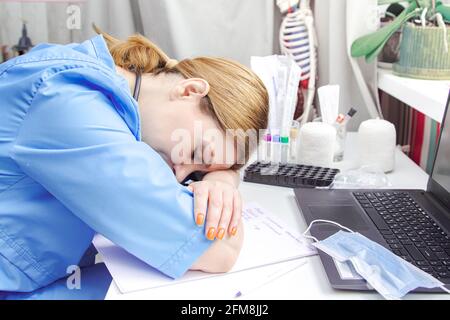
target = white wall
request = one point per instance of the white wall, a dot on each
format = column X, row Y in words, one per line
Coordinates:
column 231, row 28
column 47, row 22
column 334, row 65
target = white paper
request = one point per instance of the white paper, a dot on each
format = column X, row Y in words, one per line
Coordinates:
column 329, row 103
column 267, row 241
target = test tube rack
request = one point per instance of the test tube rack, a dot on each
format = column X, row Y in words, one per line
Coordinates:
column 289, row 175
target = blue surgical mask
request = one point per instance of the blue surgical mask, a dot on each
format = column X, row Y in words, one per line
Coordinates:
column 388, row 274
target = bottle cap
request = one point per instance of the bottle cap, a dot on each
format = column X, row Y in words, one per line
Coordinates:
column 351, row 112
column 284, row 139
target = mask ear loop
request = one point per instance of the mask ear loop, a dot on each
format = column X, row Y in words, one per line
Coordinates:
column 324, row 221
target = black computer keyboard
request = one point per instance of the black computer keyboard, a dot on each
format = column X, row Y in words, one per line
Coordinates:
column 409, row 231
column 289, row 175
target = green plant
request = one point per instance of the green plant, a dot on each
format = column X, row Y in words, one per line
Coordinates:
column 369, row 46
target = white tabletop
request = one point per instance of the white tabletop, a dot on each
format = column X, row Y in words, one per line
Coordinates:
column 307, row 282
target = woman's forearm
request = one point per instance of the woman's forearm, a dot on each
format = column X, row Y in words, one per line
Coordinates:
column 222, row 255
column 227, row 176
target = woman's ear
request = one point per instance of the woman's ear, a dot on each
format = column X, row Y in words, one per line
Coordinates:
column 190, row 88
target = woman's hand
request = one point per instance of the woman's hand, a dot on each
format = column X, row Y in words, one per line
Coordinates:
column 224, row 205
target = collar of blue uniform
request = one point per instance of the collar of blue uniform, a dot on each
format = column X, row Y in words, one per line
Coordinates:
column 103, row 54
column 102, row 51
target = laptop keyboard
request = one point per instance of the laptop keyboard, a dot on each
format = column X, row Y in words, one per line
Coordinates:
column 409, row 231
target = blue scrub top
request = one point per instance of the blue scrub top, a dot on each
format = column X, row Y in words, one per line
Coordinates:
column 72, row 164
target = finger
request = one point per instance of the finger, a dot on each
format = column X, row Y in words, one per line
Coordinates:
column 237, row 213
column 200, row 203
column 214, row 211
column 227, row 210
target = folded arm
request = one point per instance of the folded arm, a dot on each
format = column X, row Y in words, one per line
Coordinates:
column 218, row 195
column 222, row 255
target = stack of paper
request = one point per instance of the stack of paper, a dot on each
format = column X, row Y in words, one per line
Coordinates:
column 267, row 241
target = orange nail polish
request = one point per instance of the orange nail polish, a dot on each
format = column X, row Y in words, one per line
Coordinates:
column 211, row 234
column 233, row 231
column 200, row 219
column 221, row 233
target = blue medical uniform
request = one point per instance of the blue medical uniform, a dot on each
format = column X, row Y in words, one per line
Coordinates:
column 72, row 164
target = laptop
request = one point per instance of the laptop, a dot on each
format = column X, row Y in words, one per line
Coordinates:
column 413, row 224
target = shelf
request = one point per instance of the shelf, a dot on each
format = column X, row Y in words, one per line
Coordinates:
column 426, row 96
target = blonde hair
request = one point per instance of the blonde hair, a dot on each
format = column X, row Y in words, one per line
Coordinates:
column 237, row 97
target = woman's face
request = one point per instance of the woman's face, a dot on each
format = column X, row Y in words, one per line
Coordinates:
column 174, row 125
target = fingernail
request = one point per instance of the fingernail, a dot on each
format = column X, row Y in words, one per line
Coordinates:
column 211, row 234
column 233, row 231
column 221, row 233
column 200, row 219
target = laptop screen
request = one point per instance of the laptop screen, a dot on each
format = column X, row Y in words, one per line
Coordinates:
column 441, row 169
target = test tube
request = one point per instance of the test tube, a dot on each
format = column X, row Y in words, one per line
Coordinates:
column 268, row 139
column 341, row 133
column 276, row 149
column 293, row 141
column 262, row 148
column 284, row 149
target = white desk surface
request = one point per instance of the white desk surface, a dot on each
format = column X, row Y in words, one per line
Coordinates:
column 307, row 282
